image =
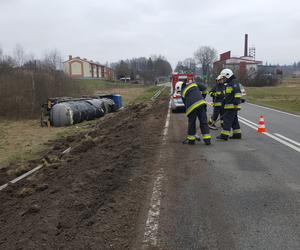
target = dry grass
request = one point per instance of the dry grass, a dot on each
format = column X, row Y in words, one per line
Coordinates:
column 24, row 140
column 291, row 81
column 284, row 97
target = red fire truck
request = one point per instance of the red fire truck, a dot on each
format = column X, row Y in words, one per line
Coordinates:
column 176, row 100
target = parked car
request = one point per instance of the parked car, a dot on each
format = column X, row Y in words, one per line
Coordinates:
column 176, row 100
column 243, row 90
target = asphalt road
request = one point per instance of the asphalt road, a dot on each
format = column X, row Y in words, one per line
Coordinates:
column 240, row 194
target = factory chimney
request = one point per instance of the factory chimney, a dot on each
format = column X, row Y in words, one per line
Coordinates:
column 246, row 45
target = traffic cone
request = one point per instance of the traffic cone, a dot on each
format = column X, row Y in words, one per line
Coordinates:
column 261, row 125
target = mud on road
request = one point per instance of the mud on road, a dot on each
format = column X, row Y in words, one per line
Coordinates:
column 90, row 198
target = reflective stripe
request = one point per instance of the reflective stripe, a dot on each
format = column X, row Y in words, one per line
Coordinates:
column 217, row 104
column 228, row 90
column 231, row 106
column 204, row 92
column 206, row 136
column 237, row 131
column 218, row 93
column 238, row 95
column 225, row 132
column 195, row 105
column 228, row 106
column 191, row 137
column 188, row 88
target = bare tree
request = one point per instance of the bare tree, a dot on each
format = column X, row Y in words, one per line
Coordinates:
column 188, row 65
column 19, row 55
column 53, row 59
column 205, row 56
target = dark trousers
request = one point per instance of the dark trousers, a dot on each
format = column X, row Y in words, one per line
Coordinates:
column 199, row 112
column 231, row 121
column 218, row 111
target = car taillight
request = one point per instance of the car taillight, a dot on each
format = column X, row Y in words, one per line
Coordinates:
column 177, row 96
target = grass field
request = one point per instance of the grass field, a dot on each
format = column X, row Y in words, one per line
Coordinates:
column 284, row 97
column 24, row 140
column 130, row 92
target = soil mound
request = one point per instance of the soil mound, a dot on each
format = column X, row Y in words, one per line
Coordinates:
column 89, row 198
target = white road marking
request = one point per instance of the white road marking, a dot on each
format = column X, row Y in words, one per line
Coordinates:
column 246, row 123
column 167, row 124
column 279, row 111
column 254, row 126
column 283, row 142
column 152, row 223
column 288, row 139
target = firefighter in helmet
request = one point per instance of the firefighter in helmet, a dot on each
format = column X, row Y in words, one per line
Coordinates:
column 195, row 107
column 232, row 104
column 217, row 94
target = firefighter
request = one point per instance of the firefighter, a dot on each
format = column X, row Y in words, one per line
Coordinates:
column 232, row 101
column 195, row 107
column 217, row 94
column 203, row 90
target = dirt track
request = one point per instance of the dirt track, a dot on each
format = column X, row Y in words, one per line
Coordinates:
column 90, row 198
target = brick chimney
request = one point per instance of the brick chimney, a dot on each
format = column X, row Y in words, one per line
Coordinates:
column 70, row 57
column 246, row 45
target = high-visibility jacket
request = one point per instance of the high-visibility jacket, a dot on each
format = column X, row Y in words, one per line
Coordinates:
column 192, row 97
column 217, row 93
column 232, row 99
column 203, row 90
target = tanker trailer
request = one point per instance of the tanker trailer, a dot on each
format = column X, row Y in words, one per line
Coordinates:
column 66, row 111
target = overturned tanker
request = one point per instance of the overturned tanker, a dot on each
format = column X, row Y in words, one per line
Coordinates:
column 66, row 111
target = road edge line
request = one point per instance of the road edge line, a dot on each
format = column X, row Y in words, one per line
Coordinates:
column 287, row 139
column 152, row 222
column 245, row 121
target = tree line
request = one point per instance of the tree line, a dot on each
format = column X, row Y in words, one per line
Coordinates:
column 144, row 70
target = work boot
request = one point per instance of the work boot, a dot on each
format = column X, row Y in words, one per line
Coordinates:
column 207, row 141
column 190, row 142
column 222, row 137
column 236, row 136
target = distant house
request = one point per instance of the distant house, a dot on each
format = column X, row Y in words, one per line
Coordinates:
column 77, row 67
column 242, row 66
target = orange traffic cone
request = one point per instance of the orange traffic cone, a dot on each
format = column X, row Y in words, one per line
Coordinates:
column 261, row 125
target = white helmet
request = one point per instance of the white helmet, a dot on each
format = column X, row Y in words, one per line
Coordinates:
column 219, row 77
column 178, row 86
column 227, row 73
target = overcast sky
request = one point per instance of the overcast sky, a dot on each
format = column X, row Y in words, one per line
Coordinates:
column 110, row 30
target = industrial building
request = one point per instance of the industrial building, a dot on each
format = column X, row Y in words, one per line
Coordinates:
column 77, row 67
column 244, row 67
